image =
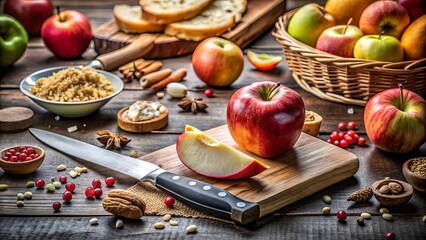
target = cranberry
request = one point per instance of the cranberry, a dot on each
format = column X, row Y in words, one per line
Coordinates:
column 341, row 135
column 12, row 151
column 39, row 183
column 56, row 206
column 6, row 158
column 351, row 133
column 28, row 159
column 97, row 192
column 96, row 183
column 341, row 215
column 30, row 150
column 336, row 142
column 8, row 154
column 342, row 126
column 70, row 187
column 169, row 201
column 31, row 156
column 351, row 125
column 67, row 196
column 110, row 181
column 13, row 159
column 362, row 141
column 208, row 92
column 343, row 144
column 348, row 139
column 21, row 148
column 390, row 236
column 63, row 179
column 334, row 136
column 36, row 155
column 355, row 138
column 22, row 156
column 89, row 192
column 329, row 141
column 25, row 151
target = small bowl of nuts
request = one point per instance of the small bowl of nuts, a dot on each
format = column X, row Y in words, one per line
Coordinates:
column 392, row 192
column 21, row 159
column 414, row 171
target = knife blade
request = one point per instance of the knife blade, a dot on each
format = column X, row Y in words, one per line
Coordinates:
column 199, row 195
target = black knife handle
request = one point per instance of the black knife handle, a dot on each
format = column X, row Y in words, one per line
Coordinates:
column 207, row 198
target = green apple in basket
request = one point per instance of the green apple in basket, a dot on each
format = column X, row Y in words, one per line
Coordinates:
column 308, row 22
column 379, row 48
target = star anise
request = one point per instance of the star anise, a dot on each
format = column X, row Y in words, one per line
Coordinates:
column 192, row 104
column 112, row 140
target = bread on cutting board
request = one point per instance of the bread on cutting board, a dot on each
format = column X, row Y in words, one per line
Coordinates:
column 217, row 18
column 129, row 20
column 167, row 11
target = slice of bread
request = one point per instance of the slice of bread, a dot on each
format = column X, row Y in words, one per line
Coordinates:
column 167, row 11
column 219, row 17
column 129, row 20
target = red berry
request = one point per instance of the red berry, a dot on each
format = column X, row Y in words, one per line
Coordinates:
column 341, row 215
column 97, row 192
column 70, row 187
column 329, row 141
column 63, row 179
column 110, row 181
column 96, row 183
column 351, row 125
column 89, row 192
column 31, row 156
column 208, row 92
column 30, row 150
column 342, row 126
column 28, row 159
column 13, row 159
column 12, row 151
column 390, row 236
column 341, row 135
column 6, row 158
column 8, row 154
column 343, row 144
column 25, row 151
column 36, row 155
column 351, row 133
column 56, row 206
column 362, row 141
column 22, row 156
column 348, row 139
column 169, row 201
column 39, row 183
column 334, row 136
column 67, row 196
column 336, row 142
column 17, row 154
column 21, row 148
column 355, row 138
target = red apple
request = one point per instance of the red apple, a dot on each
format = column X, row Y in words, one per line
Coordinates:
column 265, row 118
column 395, row 120
column 415, row 8
column 379, row 48
column 339, row 40
column 30, row 13
column 217, row 62
column 67, row 34
column 387, row 16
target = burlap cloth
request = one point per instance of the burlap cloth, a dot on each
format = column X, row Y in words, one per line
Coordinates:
column 155, row 206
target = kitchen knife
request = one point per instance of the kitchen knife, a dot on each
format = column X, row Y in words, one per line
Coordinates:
column 197, row 194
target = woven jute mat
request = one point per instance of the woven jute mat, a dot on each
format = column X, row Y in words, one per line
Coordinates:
column 154, row 200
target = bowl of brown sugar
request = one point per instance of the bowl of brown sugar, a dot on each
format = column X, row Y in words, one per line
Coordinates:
column 414, row 171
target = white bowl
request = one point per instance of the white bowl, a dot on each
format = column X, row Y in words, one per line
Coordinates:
column 69, row 109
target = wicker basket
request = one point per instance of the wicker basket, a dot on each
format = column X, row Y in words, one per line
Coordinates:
column 345, row 80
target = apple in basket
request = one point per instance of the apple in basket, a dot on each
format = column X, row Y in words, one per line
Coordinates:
column 343, row 10
column 265, row 118
column 379, row 48
column 308, row 22
column 395, row 120
column 386, row 16
column 414, row 37
column 415, row 8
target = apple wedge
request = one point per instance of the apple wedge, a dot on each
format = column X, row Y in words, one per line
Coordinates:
column 209, row 157
column 263, row 61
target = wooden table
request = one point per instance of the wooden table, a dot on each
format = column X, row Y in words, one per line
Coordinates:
column 300, row 220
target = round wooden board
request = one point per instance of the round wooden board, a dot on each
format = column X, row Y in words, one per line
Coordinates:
column 15, row 118
column 143, row 126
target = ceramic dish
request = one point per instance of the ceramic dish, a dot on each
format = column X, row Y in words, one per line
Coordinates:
column 69, row 109
column 22, row 167
column 142, row 126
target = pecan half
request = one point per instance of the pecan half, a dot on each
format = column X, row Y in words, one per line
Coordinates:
column 124, row 204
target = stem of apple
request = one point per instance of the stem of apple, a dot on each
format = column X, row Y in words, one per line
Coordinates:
column 272, row 92
column 59, row 14
column 347, row 25
column 383, row 32
column 401, row 99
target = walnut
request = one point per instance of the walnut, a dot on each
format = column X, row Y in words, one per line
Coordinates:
column 384, row 189
column 124, row 203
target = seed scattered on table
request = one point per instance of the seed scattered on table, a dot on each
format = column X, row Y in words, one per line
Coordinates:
column 173, row 223
column 73, row 173
column 72, row 129
column 191, row 229
column 28, row 195
column 3, row 187
column 20, row 196
column 94, row 221
column 61, row 167
column 57, row 184
column 20, row 203
column 424, row 218
column 366, row 215
column 119, row 223
column 30, row 184
column 134, row 154
column 383, row 210
column 167, row 217
column 326, row 210
column 326, row 199
column 387, row 216
column 360, row 221
column 52, row 179
column 159, row 225
column 50, row 187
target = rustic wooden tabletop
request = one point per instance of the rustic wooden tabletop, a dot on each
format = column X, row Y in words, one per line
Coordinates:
column 300, row 220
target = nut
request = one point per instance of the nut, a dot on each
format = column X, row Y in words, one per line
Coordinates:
column 383, row 210
column 61, row 167
column 119, row 223
column 3, row 187
column 28, row 195
column 167, row 217
column 366, row 215
column 176, row 90
column 52, row 179
column 73, row 173
column 94, row 221
column 326, row 210
column 384, row 189
column 191, row 229
column 30, row 184
column 395, row 187
column 50, row 187
column 387, row 216
column 20, row 196
column 360, row 221
column 124, row 203
column 158, row 225
column 20, row 203
column 57, row 184
column 173, row 223
column 160, row 95
column 326, row 199
column 134, row 154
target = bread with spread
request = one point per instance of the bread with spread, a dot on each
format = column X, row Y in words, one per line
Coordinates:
column 129, row 20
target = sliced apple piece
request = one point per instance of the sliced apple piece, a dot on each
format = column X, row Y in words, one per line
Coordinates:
column 209, row 157
column 263, row 61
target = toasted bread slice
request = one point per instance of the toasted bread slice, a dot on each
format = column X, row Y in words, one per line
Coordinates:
column 219, row 17
column 129, row 20
column 167, row 11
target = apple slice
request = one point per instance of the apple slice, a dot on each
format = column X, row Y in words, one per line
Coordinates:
column 263, row 61
column 209, row 157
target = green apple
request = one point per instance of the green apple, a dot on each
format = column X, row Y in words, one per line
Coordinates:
column 13, row 40
column 308, row 22
column 379, row 48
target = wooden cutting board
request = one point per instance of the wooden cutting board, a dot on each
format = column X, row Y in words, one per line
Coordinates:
column 310, row 166
column 259, row 17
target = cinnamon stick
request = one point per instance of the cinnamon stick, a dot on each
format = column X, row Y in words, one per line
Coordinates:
column 176, row 76
column 156, row 65
column 150, row 79
column 131, row 64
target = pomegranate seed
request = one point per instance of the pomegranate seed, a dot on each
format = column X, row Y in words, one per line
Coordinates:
column 12, row 151
column 329, row 141
column 341, row 215
column 89, row 192
column 39, row 183
column 348, row 139
column 13, row 159
column 110, row 181
column 169, row 201
column 67, row 196
column 351, row 133
column 56, row 206
column 361, row 141
column 390, row 236
column 336, row 142
column 6, row 158
column 351, row 125
column 21, row 148
column 70, row 187
column 97, row 192
column 343, row 143
column 342, row 126
column 96, row 183
column 30, row 150
column 208, row 92
column 334, row 136
column 63, row 179
column 341, row 135
column 355, row 138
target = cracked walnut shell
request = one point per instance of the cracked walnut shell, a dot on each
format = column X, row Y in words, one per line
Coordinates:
column 124, row 204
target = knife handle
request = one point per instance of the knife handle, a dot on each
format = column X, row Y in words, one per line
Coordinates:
column 207, row 198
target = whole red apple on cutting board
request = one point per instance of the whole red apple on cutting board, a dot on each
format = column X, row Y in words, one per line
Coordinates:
column 265, row 118
column 30, row 13
column 67, row 34
column 395, row 120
